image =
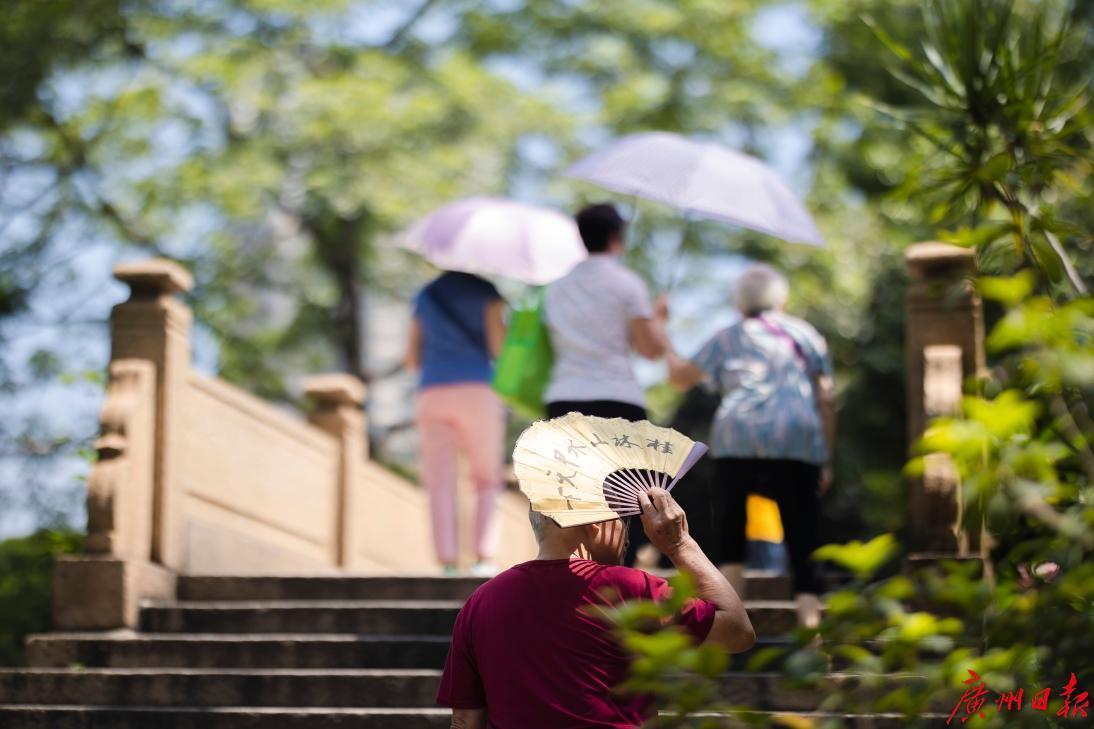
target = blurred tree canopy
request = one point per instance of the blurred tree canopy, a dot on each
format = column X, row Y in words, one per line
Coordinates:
column 267, row 147
column 274, row 146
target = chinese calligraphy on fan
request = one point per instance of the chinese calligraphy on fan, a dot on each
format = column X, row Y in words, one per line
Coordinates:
column 974, row 702
column 568, row 467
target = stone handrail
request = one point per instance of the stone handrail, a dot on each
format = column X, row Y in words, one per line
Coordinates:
column 195, row 476
column 259, row 487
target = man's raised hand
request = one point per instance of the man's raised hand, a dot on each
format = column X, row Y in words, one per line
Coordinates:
column 665, row 523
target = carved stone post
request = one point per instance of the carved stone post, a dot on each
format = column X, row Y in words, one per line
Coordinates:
column 121, row 485
column 154, row 325
column 944, row 347
column 338, row 410
column 134, row 542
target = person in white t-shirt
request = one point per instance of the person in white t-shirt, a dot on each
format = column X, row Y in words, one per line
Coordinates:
column 597, row 315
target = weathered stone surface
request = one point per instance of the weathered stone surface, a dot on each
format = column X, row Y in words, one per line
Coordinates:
column 82, row 717
column 326, row 588
column 158, row 274
column 45, row 717
column 349, row 688
column 944, row 345
column 93, row 592
column 335, row 389
column 217, row 671
column 769, row 617
column 304, row 616
column 327, row 687
column 761, row 586
column 128, row 649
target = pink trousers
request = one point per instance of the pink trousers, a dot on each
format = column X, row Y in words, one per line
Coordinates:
column 467, row 419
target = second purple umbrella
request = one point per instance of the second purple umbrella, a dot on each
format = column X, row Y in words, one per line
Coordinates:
column 499, row 237
column 703, row 178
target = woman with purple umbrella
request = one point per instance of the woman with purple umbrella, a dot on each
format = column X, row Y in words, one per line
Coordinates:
column 458, row 329
column 457, row 332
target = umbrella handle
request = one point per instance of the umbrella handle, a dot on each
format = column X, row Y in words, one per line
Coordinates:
column 679, row 267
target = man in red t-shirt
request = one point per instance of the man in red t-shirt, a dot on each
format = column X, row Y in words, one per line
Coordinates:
column 527, row 654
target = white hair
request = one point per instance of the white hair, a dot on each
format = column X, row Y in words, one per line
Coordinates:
column 539, row 522
column 760, row 288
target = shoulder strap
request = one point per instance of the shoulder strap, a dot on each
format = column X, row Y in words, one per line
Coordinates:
column 453, row 318
column 781, row 333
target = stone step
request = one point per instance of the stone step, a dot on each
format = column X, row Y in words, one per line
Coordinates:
column 83, row 717
column 230, row 588
column 433, row 617
column 114, row 717
column 761, row 586
column 126, row 649
column 347, row 688
column 364, row 617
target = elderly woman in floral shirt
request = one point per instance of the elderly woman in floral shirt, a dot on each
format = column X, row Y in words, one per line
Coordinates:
column 773, row 431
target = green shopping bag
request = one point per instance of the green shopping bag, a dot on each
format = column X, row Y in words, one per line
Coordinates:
column 524, row 365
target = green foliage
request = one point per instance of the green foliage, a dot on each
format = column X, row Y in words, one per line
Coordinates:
column 992, row 141
column 39, row 38
column 862, row 560
column 1002, row 102
column 26, row 587
column 267, row 147
column 997, row 91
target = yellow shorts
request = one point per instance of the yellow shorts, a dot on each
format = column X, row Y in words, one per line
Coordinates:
column 764, row 524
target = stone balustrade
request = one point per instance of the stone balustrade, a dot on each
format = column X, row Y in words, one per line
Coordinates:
column 944, row 348
column 196, row 476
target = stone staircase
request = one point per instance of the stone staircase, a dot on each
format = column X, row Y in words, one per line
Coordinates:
column 296, row 652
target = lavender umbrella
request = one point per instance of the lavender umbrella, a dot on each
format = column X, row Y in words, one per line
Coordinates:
column 493, row 236
column 704, row 178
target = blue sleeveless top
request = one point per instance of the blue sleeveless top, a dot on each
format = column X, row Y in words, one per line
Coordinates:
column 450, row 311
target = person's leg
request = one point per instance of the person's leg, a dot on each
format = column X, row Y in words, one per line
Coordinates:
column 765, row 555
column 481, row 426
column 730, row 489
column 794, row 487
column 437, row 456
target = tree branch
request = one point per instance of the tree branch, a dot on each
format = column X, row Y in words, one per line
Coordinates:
column 1060, row 409
column 403, row 30
column 1065, row 259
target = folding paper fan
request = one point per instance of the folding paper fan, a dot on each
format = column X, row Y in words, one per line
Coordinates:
column 579, row 469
